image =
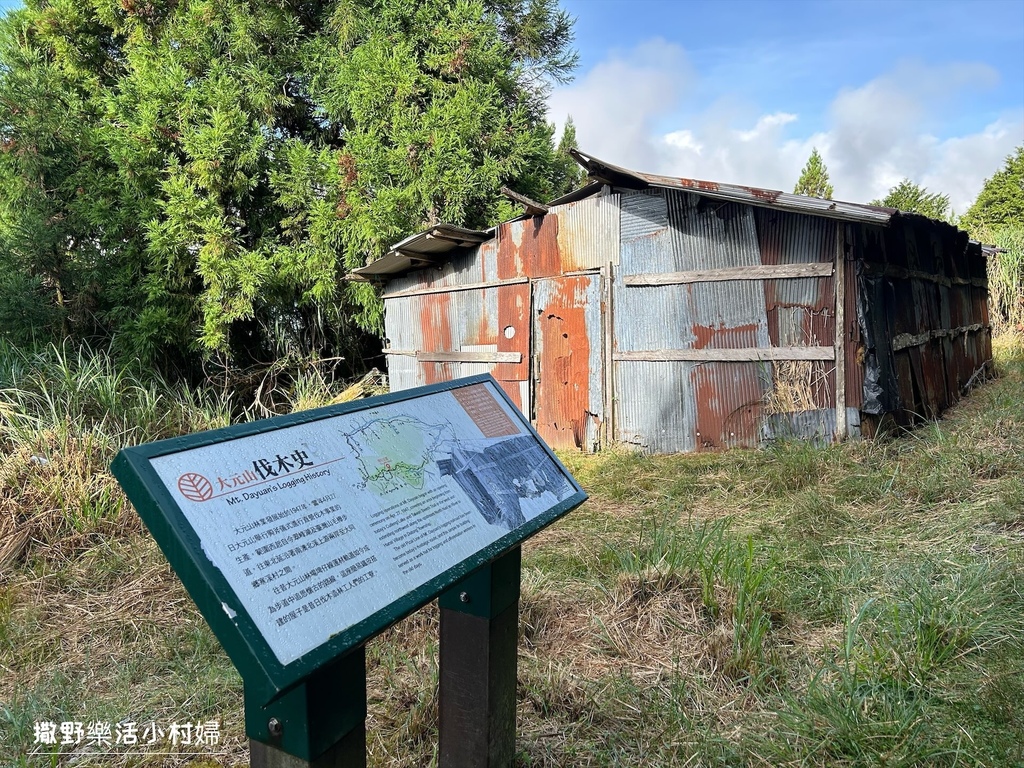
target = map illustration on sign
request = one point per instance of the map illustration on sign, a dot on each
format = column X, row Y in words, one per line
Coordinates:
column 319, row 525
column 397, row 451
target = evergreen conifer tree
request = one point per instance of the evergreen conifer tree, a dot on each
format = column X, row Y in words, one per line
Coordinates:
column 193, row 179
column 1001, row 200
column 913, row 198
column 568, row 173
column 813, row 180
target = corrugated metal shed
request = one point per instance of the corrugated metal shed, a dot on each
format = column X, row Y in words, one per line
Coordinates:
column 675, row 315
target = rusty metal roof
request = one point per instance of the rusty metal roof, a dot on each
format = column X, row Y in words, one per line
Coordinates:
column 765, row 198
column 423, row 249
column 429, row 248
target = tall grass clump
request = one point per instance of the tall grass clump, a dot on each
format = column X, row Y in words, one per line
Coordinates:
column 65, row 411
column 730, row 580
column 65, row 391
column 1006, row 278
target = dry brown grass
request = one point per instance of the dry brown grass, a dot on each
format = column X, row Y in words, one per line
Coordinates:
column 617, row 665
column 795, row 386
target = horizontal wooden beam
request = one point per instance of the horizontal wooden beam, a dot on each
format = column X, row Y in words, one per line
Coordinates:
column 901, row 273
column 762, row 272
column 533, row 208
column 905, row 340
column 742, row 355
column 453, row 288
column 469, row 357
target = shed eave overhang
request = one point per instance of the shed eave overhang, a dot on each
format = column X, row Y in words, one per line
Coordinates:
column 424, row 249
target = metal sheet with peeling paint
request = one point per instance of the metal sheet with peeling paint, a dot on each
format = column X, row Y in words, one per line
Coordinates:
column 588, row 233
column 569, row 401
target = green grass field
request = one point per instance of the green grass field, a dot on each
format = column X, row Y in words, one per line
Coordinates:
column 857, row 605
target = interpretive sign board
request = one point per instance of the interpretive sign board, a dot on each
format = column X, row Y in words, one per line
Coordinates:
column 300, row 537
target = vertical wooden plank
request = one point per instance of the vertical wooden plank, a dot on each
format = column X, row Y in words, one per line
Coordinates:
column 609, row 378
column 320, row 723
column 840, row 339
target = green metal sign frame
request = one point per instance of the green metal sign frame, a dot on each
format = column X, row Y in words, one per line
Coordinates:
column 266, row 679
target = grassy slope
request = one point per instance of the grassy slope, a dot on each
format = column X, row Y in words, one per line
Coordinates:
column 858, row 604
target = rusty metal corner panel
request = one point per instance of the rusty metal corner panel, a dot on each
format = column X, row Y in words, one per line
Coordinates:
column 529, row 248
column 654, row 406
column 730, row 399
column 588, row 232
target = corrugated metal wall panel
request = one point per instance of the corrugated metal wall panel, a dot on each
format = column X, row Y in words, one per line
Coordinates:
column 403, row 373
column 729, row 397
column 402, row 332
column 648, row 317
column 650, row 407
column 928, row 323
column 641, row 214
column 730, row 404
column 654, row 407
column 717, row 236
column 588, row 232
column 801, row 312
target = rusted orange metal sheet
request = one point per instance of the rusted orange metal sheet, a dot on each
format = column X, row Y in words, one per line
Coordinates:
column 513, row 335
column 529, row 247
column 567, row 379
column 729, row 396
column 435, row 324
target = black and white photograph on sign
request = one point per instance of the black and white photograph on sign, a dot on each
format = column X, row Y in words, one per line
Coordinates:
column 509, row 479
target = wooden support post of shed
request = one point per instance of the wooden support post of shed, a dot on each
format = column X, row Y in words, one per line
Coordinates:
column 609, row 348
column 477, row 687
column 839, row 280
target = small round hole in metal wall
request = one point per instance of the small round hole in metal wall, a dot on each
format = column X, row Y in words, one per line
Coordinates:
column 509, row 331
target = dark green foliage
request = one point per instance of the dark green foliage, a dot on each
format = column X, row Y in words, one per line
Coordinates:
column 569, row 175
column 913, row 198
column 997, row 218
column 813, row 180
column 191, row 180
column 1001, row 200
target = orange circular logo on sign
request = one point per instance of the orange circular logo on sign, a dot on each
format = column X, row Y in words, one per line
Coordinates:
column 195, row 487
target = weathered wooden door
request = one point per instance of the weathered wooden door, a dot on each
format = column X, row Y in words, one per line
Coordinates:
column 567, row 358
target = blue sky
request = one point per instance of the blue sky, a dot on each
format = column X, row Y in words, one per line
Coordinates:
column 740, row 91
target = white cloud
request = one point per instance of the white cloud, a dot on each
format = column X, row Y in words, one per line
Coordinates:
column 616, row 104
column 765, row 124
column 875, row 134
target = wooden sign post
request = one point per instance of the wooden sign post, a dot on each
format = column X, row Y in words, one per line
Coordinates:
column 301, row 537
